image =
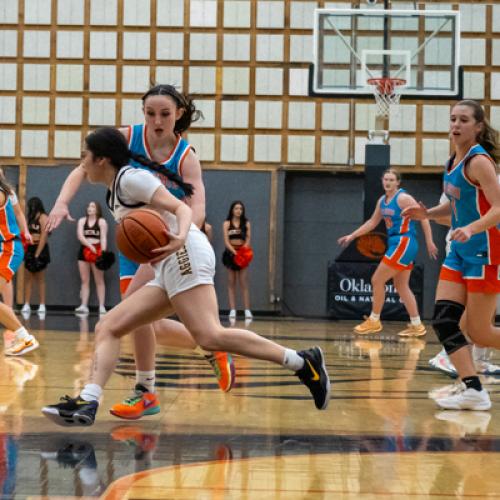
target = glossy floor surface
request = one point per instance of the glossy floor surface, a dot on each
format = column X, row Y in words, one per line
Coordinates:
column 381, row 437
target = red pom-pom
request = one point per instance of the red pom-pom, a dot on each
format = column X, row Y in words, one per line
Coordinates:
column 24, row 242
column 243, row 257
column 89, row 255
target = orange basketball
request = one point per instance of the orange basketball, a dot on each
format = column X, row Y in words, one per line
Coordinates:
column 138, row 233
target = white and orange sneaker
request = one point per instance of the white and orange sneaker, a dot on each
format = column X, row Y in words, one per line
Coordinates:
column 413, row 330
column 22, row 346
column 368, row 326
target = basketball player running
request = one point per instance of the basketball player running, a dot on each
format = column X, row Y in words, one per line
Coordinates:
column 481, row 355
column 191, row 295
column 168, row 114
column 469, row 274
column 397, row 263
column 12, row 224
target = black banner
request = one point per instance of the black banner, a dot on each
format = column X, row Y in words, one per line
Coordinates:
column 350, row 291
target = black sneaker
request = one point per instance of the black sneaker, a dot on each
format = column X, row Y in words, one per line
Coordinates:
column 314, row 375
column 72, row 412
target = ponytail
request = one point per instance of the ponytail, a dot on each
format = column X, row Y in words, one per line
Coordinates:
column 108, row 142
column 157, row 167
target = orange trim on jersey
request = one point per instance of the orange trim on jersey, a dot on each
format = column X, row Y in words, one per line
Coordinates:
column 183, row 157
column 464, row 170
column 448, row 274
column 489, row 284
column 405, row 225
column 148, row 149
column 124, row 284
column 4, row 223
column 394, row 260
column 492, row 234
column 5, row 258
column 396, row 265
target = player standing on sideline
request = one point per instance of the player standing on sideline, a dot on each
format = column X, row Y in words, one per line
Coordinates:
column 397, row 263
column 190, row 295
column 469, row 274
column 12, row 225
column 168, row 114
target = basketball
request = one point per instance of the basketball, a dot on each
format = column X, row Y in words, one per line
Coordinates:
column 140, row 232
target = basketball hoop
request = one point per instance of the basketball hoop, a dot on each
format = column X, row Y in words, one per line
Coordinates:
column 387, row 92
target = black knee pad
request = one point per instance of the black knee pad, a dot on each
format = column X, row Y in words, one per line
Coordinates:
column 446, row 323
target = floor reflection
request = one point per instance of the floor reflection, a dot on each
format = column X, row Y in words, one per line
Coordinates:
column 382, row 434
column 78, row 461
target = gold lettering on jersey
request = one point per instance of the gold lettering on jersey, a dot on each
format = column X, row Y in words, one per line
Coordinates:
column 183, row 261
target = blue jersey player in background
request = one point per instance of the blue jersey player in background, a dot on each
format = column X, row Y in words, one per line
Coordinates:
column 397, row 263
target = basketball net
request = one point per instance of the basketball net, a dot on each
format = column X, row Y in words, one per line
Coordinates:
column 387, row 93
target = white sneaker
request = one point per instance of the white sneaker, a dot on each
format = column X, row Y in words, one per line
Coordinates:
column 41, row 309
column 232, row 314
column 102, row 310
column 82, row 309
column 486, row 368
column 465, row 399
column 444, row 391
column 26, row 309
column 22, row 346
column 442, row 362
column 248, row 314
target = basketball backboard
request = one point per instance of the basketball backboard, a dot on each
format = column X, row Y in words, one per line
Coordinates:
column 354, row 46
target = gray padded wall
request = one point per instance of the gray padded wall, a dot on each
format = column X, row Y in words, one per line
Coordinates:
column 63, row 280
column 253, row 189
column 313, row 211
column 319, row 209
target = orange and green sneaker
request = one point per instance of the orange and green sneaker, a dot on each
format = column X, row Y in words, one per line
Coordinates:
column 223, row 366
column 140, row 404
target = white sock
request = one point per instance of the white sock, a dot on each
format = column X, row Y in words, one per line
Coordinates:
column 91, row 392
column 292, row 360
column 415, row 321
column 146, row 379
column 22, row 334
column 374, row 317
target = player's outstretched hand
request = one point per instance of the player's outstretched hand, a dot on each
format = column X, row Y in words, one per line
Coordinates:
column 416, row 212
column 345, row 240
column 59, row 212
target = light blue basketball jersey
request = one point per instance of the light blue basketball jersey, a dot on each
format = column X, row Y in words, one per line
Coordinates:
column 138, row 144
column 395, row 223
column 468, row 204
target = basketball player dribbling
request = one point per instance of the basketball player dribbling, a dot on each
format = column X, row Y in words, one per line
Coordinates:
column 168, row 113
column 12, row 225
column 190, row 295
column 470, row 272
column 397, row 263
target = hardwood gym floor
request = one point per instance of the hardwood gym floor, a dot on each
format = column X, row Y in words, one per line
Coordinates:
column 381, row 437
